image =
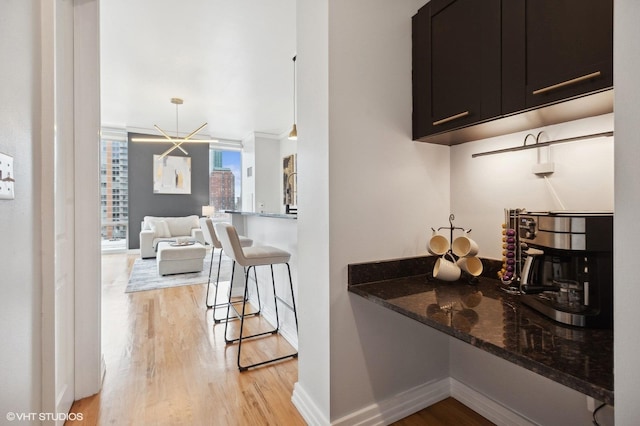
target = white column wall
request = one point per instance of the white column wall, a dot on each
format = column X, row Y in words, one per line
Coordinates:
column 268, row 171
column 20, row 290
column 627, row 203
column 383, row 193
column 311, row 392
column 88, row 348
column 248, row 182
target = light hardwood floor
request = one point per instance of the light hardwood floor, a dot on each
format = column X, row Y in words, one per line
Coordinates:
column 167, row 364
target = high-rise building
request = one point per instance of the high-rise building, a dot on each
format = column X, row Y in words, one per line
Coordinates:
column 222, row 192
column 114, row 192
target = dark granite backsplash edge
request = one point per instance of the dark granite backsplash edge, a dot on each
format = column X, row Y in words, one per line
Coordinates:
column 383, row 270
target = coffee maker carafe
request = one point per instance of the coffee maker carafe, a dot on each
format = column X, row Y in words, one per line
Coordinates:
column 567, row 271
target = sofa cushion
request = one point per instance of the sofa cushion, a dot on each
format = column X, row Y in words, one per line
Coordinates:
column 178, row 226
column 182, row 226
column 160, row 228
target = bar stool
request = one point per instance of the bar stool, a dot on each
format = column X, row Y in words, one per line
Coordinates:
column 209, row 233
column 250, row 257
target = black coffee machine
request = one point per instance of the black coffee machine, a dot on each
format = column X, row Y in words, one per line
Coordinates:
column 567, row 266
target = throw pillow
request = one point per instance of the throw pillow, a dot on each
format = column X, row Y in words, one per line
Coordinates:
column 160, row 228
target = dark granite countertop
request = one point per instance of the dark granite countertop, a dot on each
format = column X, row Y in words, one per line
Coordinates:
column 276, row 215
column 484, row 316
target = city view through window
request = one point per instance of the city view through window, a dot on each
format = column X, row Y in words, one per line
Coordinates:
column 225, row 180
column 225, row 186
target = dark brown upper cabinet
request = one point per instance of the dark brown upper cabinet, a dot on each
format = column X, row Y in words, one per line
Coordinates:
column 456, row 64
column 554, row 50
column 475, row 61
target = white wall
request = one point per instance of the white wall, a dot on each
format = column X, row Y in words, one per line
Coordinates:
column 385, row 192
column 268, row 172
column 482, row 187
column 260, row 191
column 532, row 396
column 377, row 177
column 311, row 393
column 248, row 182
column 627, row 202
column 20, row 291
column 372, row 207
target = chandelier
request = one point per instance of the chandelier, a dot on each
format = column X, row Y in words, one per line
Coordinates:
column 177, row 141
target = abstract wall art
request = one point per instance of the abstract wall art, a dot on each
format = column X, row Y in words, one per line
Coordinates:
column 171, row 175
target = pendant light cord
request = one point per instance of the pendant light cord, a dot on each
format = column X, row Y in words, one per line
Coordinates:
column 177, row 133
column 294, row 89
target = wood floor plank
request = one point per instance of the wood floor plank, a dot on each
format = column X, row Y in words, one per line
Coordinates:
column 448, row 412
column 167, row 363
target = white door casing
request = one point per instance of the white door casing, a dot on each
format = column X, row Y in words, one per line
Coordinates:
column 70, row 204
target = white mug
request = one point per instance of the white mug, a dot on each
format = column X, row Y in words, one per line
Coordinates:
column 438, row 244
column 472, row 265
column 464, row 247
column 446, row 270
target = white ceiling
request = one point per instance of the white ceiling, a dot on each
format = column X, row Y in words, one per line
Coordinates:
column 230, row 60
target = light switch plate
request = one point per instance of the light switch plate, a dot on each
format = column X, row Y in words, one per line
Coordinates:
column 7, row 177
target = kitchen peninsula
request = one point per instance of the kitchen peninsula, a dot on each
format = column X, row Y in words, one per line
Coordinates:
column 482, row 315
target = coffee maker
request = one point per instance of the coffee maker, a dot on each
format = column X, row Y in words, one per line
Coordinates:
column 567, row 266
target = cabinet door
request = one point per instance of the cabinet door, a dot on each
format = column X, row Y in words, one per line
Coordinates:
column 456, row 64
column 569, row 49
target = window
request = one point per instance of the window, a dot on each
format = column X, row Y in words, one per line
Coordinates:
column 225, row 179
column 114, row 198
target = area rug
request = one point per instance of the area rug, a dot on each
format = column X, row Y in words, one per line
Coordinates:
column 144, row 274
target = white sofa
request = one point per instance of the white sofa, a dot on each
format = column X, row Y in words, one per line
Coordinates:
column 156, row 229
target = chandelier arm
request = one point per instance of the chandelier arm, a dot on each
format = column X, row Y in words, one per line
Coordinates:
column 185, row 139
column 167, row 152
column 170, row 138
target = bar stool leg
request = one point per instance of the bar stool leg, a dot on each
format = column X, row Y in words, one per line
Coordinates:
column 219, row 305
column 226, row 321
column 293, row 298
column 275, row 301
column 244, row 304
column 206, row 299
column 243, row 314
column 276, row 298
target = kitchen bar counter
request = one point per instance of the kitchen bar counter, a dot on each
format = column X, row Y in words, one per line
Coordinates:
column 484, row 316
column 276, row 215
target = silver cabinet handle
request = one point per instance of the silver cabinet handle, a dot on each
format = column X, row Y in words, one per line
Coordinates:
column 453, row 117
column 566, row 83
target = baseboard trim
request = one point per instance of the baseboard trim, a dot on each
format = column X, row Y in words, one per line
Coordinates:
column 409, row 402
column 486, row 407
column 398, row 406
column 306, row 407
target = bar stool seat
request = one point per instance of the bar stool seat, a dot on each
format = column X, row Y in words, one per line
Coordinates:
column 209, row 234
column 264, row 255
column 250, row 257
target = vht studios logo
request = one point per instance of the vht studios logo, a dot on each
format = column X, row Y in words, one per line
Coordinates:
column 21, row 417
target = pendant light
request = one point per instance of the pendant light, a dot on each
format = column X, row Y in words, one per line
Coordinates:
column 177, row 140
column 293, row 134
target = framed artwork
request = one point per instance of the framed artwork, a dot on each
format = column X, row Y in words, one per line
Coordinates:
column 7, row 179
column 289, row 181
column 171, row 175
